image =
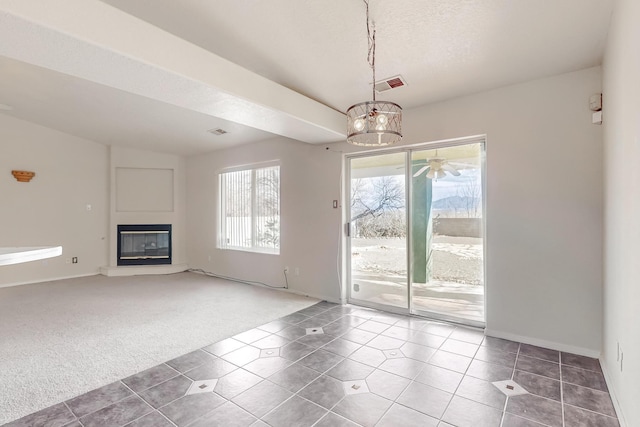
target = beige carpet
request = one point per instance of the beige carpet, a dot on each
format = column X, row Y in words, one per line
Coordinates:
column 61, row 339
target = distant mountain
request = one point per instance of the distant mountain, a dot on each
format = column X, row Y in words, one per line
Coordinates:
column 455, row 203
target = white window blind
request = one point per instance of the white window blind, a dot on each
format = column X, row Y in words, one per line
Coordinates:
column 249, row 216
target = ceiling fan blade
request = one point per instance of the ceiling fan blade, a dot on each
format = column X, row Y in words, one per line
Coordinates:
column 422, row 169
column 431, row 174
column 453, row 171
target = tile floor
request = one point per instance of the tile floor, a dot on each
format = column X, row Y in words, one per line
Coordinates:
column 331, row 365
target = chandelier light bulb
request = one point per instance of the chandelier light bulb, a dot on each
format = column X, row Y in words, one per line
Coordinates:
column 358, row 124
column 381, row 127
column 382, row 119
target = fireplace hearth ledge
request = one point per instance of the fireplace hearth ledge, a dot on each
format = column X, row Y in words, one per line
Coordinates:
column 140, row 270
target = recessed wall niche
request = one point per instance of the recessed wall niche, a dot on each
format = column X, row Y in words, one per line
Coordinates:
column 144, row 190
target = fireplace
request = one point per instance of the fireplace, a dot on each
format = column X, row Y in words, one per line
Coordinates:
column 146, row 244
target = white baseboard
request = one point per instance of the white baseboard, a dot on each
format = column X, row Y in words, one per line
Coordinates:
column 49, row 279
column 320, row 297
column 141, row 270
column 292, row 291
column 544, row 343
column 614, row 398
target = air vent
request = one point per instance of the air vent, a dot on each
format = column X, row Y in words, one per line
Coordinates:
column 390, row 83
column 217, row 131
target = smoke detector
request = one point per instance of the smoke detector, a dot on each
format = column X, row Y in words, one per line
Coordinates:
column 217, row 131
column 390, row 83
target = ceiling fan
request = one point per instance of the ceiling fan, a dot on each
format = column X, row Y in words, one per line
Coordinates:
column 436, row 167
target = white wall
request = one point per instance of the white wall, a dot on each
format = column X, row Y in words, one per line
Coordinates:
column 621, row 113
column 544, row 207
column 310, row 180
column 131, row 158
column 51, row 209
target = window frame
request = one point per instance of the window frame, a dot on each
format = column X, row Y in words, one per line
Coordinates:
column 221, row 201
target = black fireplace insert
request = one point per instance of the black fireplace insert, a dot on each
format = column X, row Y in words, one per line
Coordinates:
column 144, row 244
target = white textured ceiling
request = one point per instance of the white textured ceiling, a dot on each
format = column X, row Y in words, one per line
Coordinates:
column 444, row 48
column 317, row 48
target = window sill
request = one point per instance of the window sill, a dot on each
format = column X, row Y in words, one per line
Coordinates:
column 266, row 251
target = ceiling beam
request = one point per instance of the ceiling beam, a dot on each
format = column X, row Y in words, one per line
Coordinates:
column 91, row 40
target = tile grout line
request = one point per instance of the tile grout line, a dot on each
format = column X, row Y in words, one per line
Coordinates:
column 166, row 418
column 345, row 418
column 102, row 407
column 192, row 422
column 155, row 385
column 591, row 411
column 144, row 401
column 513, row 374
column 64, row 402
column 286, row 400
column 561, row 387
column 338, row 402
column 463, row 374
column 395, row 401
column 170, row 402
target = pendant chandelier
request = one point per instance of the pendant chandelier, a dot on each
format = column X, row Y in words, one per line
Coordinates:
column 373, row 123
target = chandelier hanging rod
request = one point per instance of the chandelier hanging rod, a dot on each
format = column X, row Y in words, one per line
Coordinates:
column 373, row 123
column 371, row 52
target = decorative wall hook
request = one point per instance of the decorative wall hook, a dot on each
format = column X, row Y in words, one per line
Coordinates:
column 23, row 176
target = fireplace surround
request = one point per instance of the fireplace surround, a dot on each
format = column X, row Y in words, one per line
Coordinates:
column 144, row 244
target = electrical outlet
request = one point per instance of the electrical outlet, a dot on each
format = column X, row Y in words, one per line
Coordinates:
column 74, row 260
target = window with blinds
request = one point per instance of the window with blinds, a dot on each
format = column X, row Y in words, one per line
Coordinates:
column 249, row 217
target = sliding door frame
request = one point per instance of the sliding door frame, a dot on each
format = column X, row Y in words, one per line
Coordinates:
column 408, row 151
column 407, row 182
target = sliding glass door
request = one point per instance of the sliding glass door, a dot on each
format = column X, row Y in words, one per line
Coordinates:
column 416, row 231
column 378, row 230
column 447, row 232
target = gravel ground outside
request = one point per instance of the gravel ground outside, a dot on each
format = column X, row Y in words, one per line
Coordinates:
column 455, row 259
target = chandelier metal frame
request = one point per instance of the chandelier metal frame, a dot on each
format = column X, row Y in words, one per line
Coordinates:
column 373, row 123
